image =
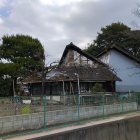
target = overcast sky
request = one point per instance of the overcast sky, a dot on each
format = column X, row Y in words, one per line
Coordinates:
column 56, row 23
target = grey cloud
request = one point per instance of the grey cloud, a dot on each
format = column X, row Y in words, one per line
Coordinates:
column 92, row 15
column 56, row 26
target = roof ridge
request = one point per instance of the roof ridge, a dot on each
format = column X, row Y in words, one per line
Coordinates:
column 121, row 50
column 74, row 47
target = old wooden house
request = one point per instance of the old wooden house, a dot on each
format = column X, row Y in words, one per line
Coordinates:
column 76, row 71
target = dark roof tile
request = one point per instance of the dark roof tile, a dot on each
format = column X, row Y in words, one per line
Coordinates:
column 86, row 73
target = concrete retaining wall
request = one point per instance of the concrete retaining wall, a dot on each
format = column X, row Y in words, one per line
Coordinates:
column 36, row 120
column 125, row 129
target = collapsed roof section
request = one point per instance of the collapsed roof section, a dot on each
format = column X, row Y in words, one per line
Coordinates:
column 33, row 78
column 73, row 55
column 76, row 62
column 85, row 73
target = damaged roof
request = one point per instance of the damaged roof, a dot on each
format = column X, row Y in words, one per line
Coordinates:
column 86, row 73
column 71, row 46
column 33, row 78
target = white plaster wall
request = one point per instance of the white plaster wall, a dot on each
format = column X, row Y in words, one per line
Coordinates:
column 106, row 57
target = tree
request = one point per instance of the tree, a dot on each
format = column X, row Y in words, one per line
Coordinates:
column 132, row 43
column 23, row 50
column 23, row 53
column 111, row 34
column 136, row 11
column 118, row 34
column 7, row 72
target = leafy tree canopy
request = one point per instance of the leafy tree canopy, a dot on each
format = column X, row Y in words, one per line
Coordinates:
column 8, row 69
column 24, row 55
column 118, row 34
column 24, row 51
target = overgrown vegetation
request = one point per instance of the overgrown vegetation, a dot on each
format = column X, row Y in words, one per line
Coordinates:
column 97, row 88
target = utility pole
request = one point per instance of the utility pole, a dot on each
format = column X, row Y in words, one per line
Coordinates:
column 78, row 104
column 77, row 75
column 43, row 79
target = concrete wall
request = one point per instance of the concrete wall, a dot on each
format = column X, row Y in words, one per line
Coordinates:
column 125, row 129
column 36, row 120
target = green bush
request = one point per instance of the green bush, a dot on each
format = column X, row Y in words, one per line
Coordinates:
column 97, row 88
column 26, row 109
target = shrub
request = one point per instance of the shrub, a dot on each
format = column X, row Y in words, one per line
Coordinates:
column 97, row 88
column 26, row 109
